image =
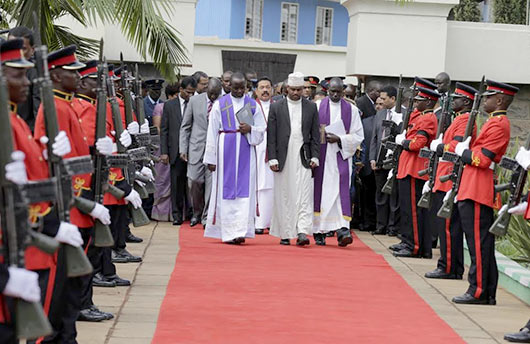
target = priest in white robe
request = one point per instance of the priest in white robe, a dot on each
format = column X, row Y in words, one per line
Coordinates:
column 230, row 154
column 293, row 148
column 264, row 173
column 341, row 134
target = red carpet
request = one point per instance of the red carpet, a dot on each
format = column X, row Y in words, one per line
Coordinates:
column 263, row 292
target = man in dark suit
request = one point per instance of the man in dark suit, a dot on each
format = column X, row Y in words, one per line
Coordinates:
column 293, row 130
column 387, row 206
column 366, row 103
column 169, row 146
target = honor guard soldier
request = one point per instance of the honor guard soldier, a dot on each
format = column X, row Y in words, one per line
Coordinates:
column 476, row 194
column 451, row 261
column 154, row 90
column 310, row 87
column 416, row 236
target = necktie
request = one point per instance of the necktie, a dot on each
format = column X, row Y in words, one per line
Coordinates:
column 185, row 106
column 210, row 105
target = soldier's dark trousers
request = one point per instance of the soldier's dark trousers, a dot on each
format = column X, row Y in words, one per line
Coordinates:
column 415, row 234
column 7, row 329
column 476, row 220
column 94, row 255
column 451, row 237
column 387, row 206
column 368, row 208
column 119, row 221
column 7, row 334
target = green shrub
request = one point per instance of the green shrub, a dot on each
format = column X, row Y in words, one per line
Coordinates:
column 467, row 10
column 510, row 11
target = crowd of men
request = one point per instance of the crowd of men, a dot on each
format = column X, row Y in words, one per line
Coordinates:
column 299, row 158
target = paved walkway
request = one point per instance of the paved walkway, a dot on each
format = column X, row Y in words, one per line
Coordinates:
column 136, row 307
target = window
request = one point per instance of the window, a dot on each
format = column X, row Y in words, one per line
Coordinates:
column 253, row 19
column 324, row 25
column 289, row 22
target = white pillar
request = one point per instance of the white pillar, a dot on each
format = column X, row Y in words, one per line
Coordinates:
column 385, row 38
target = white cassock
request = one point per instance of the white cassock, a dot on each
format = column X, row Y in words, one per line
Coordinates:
column 293, row 186
column 331, row 215
column 265, row 178
column 234, row 218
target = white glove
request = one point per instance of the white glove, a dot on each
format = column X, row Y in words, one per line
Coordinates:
column 400, row 138
column 61, row 145
column 435, row 143
column 16, row 169
column 23, row 284
column 446, row 197
column 133, row 128
column 134, row 199
column 125, row 138
column 144, row 128
column 146, row 172
column 104, row 145
column 69, row 234
column 390, row 174
column 101, row 213
column 139, row 182
column 426, row 188
column 397, row 118
column 523, row 158
column 462, row 146
column 519, row 209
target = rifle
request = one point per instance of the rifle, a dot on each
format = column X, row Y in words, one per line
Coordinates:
column 391, row 126
column 456, row 175
column 397, row 149
column 139, row 140
column 425, row 152
column 358, row 91
column 77, row 263
column 515, row 187
column 138, row 215
column 29, row 319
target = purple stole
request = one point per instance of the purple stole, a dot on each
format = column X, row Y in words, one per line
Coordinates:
column 344, row 168
column 234, row 186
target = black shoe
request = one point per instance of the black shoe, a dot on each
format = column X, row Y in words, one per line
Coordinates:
column 236, row 241
column 285, row 242
column 468, row 299
column 100, row 281
column 194, row 221
column 392, row 233
column 320, row 239
column 344, row 238
column 123, row 256
column 107, row 315
column 90, row 315
column 427, row 255
column 133, row 238
column 523, row 336
column 259, row 231
column 440, row 274
column 302, row 240
column 120, row 282
column 398, row 247
column 380, row 231
column 406, row 253
column 177, row 221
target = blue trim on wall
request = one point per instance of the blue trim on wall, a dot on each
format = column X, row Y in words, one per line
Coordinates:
column 226, row 19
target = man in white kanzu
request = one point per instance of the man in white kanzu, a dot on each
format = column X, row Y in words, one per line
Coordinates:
column 265, row 175
column 293, row 146
column 230, row 154
column 341, row 135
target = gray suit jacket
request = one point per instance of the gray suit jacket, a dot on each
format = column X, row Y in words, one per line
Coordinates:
column 194, row 128
column 377, row 134
column 279, row 130
column 169, row 134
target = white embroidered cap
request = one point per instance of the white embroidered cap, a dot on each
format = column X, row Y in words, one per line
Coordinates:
column 295, row 79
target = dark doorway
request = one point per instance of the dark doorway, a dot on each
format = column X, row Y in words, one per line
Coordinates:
column 275, row 66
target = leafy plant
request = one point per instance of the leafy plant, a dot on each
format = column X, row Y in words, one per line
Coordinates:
column 140, row 21
column 467, row 10
column 510, row 11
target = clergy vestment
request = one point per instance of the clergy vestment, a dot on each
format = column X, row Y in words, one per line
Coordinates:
column 291, row 123
column 332, row 203
column 232, row 209
column 265, row 176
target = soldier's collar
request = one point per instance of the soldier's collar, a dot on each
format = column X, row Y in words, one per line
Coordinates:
column 427, row 111
column 87, row 98
column 498, row 113
column 13, row 107
column 461, row 113
column 63, row 95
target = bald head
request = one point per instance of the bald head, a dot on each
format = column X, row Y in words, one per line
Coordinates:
column 238, row 84
column 442, row 81
column 214, row 89
column 373, row 89
column 337, row 82
column 336, row 89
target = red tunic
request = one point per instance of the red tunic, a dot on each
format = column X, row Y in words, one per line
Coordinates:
column 36, row 169
column 420, row 133
column 490, row 146
column 71, row 123
column 452, row 136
